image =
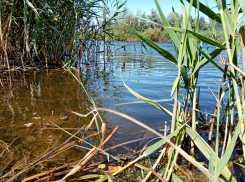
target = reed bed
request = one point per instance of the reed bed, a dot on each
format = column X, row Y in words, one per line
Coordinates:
column 46, row 33
column 190, row 59
column 184, row 142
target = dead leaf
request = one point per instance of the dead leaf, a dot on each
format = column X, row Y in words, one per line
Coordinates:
column 102, row 166
column 28, row 125
column 112, row 169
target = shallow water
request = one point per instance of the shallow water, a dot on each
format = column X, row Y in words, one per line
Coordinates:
column 39, row 98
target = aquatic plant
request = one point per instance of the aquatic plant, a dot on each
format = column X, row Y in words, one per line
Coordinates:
column 49, row 32
column 190, row 59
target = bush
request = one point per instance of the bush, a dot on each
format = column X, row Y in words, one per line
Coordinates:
column 153, row 34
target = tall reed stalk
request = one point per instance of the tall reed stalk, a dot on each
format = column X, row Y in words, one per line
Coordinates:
column 190, row 58
column 52, row 32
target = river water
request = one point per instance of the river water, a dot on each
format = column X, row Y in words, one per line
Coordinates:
column 37, row 98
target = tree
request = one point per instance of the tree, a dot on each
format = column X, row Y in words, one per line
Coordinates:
column 154, row 17
column 171, row 19
column 203, row 25
column 143, row 23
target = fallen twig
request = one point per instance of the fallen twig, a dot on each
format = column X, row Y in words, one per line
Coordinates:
column 80, row 166
column 150, row 170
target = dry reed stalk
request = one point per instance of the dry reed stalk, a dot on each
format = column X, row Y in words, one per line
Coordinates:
column 242, row 37
column 80, row 166
column 7, row 147
column 150, row 170
column 59, row 129
column 155, row 165
column 53, row 175
column 41, row 158
column 121, row 144
column 50, row 171
column 181, row 151
column 59, row 168
column 103, row 129
column 64, row 148
column 238, row 69
column 125, row 143
column 56, row 174
column 89, row 125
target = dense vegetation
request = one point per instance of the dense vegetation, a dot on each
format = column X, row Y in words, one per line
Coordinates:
column 152, row 27
column 40, row 31
column 228, row 117
column 48, row 32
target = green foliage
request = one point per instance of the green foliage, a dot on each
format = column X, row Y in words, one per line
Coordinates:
column 153, row 34
column 47, row 32
column 191, row 58
column 152, row 27
column 155, row 20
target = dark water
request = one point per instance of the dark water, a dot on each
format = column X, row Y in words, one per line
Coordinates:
column 34, row 96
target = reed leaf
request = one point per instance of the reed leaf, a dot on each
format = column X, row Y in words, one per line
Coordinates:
column 185, row 77
column 176, row 178
column 204, row 61
column 207, row 11
column 211, row 167
column 147, row 100
column 171, row 33
column 160, row 143
column 32, row 7
column 152, row 44
column 175, row 85
column 207, row 151
column 212, row 61
column 199, row 37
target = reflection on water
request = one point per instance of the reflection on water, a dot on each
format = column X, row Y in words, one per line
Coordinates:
column 26, row 108
column 35, row 99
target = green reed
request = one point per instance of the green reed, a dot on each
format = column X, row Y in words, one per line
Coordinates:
column 41, row 32
column 191, row 58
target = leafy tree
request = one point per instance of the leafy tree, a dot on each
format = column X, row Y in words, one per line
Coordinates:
column 143, row 23
column 154, row 17
column 171, row 20
column 203, row 25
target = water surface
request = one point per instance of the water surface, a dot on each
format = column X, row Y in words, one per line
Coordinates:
column 40, row 98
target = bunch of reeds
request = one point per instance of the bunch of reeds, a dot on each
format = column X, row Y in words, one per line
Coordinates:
column 48, row 32
column 190, row 58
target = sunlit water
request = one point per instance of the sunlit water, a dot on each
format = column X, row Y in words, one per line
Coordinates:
column 40, row 98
